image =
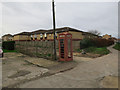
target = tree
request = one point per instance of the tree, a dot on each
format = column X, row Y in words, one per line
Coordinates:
column 95, row 32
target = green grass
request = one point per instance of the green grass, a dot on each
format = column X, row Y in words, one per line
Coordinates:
column 95, row 50
column 78, row 50
column 117, row 46
column 6, row 51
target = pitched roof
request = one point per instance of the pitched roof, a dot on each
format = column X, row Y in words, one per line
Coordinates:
column 50, row 31
column 58, row 30
column 107, row 35
column 7, row 35
column 23, row 33
column 39, row 31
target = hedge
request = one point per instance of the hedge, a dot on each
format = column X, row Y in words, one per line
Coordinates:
column 97, row 42
column 8, row 45
column 85, row 43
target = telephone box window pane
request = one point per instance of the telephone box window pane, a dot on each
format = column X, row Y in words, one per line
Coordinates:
column 69, row 48
column 62, row 35
column 62, row 48
column 68, row 35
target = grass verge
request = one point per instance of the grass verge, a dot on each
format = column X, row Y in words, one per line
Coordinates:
column 117, row 46
column 95, row 50
column 6, row 51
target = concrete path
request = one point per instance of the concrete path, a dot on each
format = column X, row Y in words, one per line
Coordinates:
column 87, row 74
column 41, row 62
column 16, row 70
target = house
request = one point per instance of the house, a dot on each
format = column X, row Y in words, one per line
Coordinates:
column 106, row 36
column 7, row 37
column 48, row 34
column 38, row 35
column 22, row 36
column 76, row 34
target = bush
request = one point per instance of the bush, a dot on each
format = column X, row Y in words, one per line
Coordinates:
column 99, row 42
column 85, row 43
column 8, row 45
column 117, row 46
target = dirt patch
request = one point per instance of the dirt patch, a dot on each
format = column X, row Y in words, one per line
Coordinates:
column 109, row 82
column 20, row 73
column 89, row 55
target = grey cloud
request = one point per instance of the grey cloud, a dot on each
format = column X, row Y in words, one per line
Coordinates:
column 23, row 16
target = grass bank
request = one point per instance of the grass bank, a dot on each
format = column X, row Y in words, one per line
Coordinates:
column 117, row 46
column 95, row 50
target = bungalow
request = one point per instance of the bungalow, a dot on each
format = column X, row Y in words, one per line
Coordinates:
column 22, row 36
column 38, row 35
column 7, row 37
column 48, row 34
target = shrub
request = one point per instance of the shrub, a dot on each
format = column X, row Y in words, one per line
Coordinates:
column 99, row 42
column 85, row 43
column 8, row 45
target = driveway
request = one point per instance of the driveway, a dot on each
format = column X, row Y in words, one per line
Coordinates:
column 87, row 74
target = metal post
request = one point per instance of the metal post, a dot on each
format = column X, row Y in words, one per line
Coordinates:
column 53, row 7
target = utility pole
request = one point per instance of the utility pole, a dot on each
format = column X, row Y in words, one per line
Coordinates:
column 53, row 7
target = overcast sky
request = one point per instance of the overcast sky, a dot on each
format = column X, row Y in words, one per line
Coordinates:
column 29, row 16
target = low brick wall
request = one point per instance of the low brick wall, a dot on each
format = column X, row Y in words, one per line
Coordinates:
column 42, row 49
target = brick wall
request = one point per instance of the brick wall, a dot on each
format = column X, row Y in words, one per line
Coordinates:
column 43, row 49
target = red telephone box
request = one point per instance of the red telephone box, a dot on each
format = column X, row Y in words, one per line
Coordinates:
column 65, row 47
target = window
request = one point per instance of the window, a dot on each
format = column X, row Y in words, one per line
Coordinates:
column 31, row 37
column 41, row 36
column 45, row 36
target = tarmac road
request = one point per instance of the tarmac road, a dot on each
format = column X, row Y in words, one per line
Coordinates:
column 86, row 75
